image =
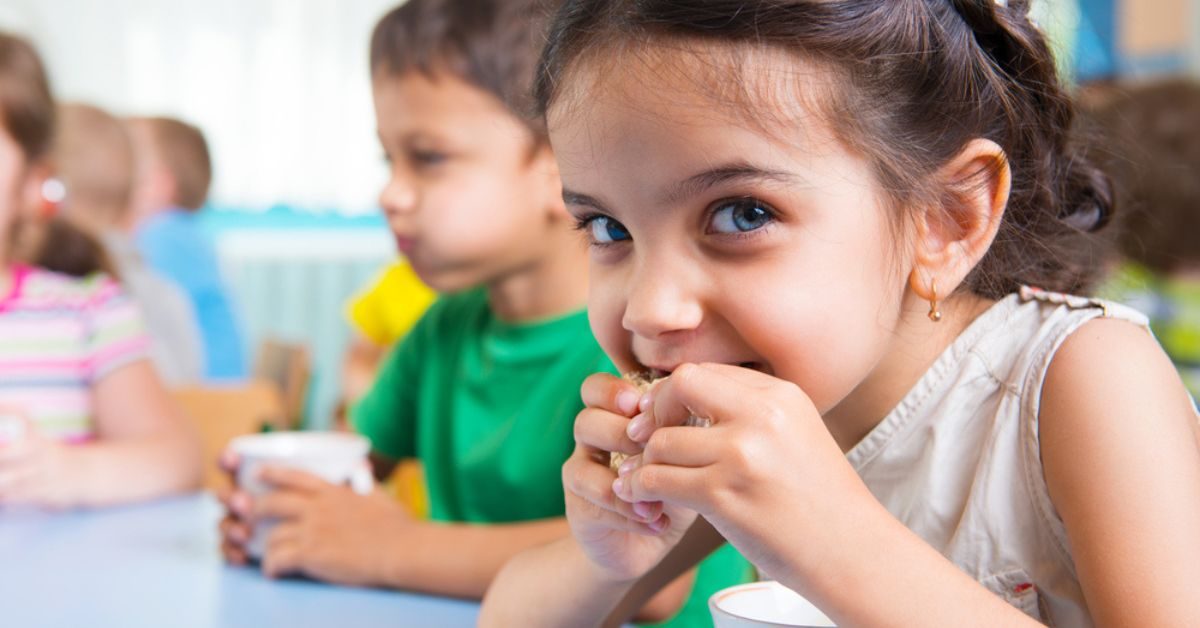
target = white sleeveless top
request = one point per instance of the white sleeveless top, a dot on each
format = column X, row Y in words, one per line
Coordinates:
column 958, row 461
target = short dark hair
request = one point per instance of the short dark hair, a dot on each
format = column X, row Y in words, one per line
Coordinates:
column 918, row 80
column 1154, row 156
column 491, row 44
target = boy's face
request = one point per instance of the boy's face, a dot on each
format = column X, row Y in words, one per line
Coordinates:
column 469, row 199
column 715, row 239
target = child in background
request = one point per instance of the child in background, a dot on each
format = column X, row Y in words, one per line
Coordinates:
column 1155, row 158
column 93, row 158
column 96, row 426
column 819, row 221
column 171, row 178
column 484, row 389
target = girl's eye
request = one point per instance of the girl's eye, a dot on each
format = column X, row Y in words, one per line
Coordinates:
column 739, row 216
column 605, row 230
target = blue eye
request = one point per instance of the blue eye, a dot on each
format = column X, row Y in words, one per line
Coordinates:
column 605, row 230
column 739, row 216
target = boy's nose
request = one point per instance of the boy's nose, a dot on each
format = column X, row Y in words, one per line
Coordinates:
column 398, row 196
column 659, row 302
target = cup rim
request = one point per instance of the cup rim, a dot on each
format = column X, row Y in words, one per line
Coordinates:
column 253, row 445
column 715, row 599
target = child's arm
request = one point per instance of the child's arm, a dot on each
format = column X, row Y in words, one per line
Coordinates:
column 144, row 445
column 614, row 561
column 330, row 533
column 143, row 449
column 1123, row 469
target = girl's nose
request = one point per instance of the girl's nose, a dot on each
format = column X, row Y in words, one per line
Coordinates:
column 660, row 301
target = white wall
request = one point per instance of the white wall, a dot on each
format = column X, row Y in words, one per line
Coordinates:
column 280, row 87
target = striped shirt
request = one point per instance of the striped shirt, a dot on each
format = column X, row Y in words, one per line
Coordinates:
column 59, row 337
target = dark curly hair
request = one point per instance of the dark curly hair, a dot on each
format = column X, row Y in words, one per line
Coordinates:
column 922, row 78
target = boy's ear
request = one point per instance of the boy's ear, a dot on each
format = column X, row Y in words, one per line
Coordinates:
column 954, row 234
column 545, row 172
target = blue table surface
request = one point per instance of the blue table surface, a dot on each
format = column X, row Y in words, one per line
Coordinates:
column 158, row 564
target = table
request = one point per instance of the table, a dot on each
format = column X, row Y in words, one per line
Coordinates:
column 157, row 564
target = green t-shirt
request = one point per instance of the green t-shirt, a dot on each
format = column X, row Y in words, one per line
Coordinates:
column 489, row 408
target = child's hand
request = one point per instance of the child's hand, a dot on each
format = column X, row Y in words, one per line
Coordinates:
column 34, row 470
column 766, row 474
column 326, row 531
column 235, row 531
column 622, row 541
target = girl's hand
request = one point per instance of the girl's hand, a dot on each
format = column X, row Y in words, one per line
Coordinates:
column 34, row 470
column 623, row 538
column 766, row 473
column 327, row 531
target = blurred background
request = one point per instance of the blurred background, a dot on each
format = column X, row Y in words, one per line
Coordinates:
column 281, row 90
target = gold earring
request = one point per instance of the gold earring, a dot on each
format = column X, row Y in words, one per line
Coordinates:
column 935, row 314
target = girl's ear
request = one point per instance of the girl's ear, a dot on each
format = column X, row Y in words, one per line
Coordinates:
column 544, row 169
column 953, row 235
column 34, row 201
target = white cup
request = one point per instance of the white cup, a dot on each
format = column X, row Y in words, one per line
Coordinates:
column 763, row 604
column 335, row 457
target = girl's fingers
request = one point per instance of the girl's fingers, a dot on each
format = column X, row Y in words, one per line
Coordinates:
column 604, row 431
column 683, row 446
column 710, row 391
column 657, row 483
column 592, row 483
column 598, row 517
column 609, row 392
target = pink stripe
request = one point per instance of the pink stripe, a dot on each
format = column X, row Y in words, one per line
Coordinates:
column 19, row 274
column 133, row 346
column 65, row 364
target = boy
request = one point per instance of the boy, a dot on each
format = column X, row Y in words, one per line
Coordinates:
column 94, row 158
column 171, row 178
column 484, row 390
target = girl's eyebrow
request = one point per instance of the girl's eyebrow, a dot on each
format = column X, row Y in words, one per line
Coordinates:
column 734, row 172
column 583, row 200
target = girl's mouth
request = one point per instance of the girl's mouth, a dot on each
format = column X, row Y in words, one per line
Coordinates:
column 655, row 374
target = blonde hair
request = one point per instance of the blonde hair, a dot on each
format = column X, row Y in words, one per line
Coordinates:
column 94, row 159
column 182, row 149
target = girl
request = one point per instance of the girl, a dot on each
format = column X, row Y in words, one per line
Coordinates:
column 817, row 219
column 85, row 419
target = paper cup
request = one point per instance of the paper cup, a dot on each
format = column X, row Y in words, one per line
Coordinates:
column 762, row 604
column 335, row 457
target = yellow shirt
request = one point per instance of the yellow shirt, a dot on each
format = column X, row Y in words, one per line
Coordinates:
column 391, row 305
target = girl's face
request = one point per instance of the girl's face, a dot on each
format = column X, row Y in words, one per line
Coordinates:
column 714, row 239
column 15, row 186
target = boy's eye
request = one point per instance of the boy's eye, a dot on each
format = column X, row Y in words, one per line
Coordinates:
column 605, row 230
column 427, row 157
column 739, row 216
